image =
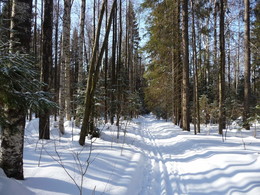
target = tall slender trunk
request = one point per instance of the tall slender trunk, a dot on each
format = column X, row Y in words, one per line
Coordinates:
column 179, row 69
column 35, row 31
column 66, row 55
column 118, row 69
column 215, row 55
column 81, row 40
column 229, row 59
column 81, row 54
column 64, row 92
column 221, row 81
column 185, row 79
column 106, row 75
column 196, row 82
column 113, row 70
column 176, row 65
column 56, row 82
column 46, row 64
column 247, row 65
column 95, row 64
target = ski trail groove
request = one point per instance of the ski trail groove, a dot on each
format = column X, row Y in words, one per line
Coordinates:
column 157, row 172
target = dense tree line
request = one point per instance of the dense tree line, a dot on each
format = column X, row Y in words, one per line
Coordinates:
column 203, row 61
column 91, row 72
column 203, row 66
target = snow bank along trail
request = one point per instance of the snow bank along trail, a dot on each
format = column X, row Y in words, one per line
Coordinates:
column 178, row 162
column 154, row 157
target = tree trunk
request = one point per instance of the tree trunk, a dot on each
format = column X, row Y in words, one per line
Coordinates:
column 35, row 31
column 13, row 130
column 196, row 82
column 118, row 68
column 113, row 70
column 94, row 70
column 12, row 143
column 64, row 93
column 185, row 79
column 81, row 53
column 81, row 41
column 56, row 75
column 106, row 75
column 66, row 55
column 221, row 81
column 44, row 122
column 247, row 65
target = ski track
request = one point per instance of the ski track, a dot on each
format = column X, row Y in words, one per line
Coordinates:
column 166, row 152
column 158, row 171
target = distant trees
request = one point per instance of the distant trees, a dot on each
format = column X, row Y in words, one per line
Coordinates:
column 194, row 58
column 54, row 63
column 212, row 55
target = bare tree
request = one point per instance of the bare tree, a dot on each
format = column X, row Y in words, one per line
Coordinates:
column 93, row 74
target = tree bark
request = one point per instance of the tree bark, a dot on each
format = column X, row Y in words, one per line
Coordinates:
column 118, row 69
column 66, row 55
column 46, row 64
column 13, row 131
column 221, row 82
column 56, row 40
column 185, row 79
column 12, row 143
column 94, row 70
column 64, row 91
column 113, row 70
column 81, row 53
column 196, row 83
column 81, row 40
column 106, row 76
column 247, row 65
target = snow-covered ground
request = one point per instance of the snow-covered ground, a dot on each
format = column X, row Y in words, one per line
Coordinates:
column 154, row 157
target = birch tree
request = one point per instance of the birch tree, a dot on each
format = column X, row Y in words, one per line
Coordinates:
column 221, row 81
column 64, row 92
column 13, row 130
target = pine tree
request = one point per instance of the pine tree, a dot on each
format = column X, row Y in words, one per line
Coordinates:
column 185, row 78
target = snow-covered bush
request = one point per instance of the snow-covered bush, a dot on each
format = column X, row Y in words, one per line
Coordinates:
column 20, row 86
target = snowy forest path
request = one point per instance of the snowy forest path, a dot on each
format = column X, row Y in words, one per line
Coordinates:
column 178, row 162
column 162, row 173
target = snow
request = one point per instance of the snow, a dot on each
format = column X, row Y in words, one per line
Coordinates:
column 154, row 157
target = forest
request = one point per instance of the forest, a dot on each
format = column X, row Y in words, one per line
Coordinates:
column 196, row 62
